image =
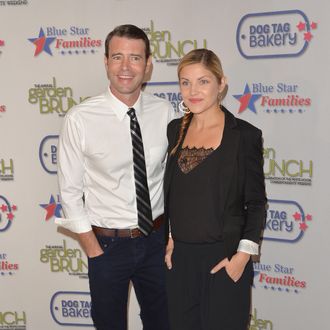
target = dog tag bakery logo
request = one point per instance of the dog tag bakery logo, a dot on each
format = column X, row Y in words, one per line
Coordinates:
column 166, row 90
column 7, row 211
column 166, row 49
column 52, row 99
column 48, row 153
column 71, row 308
column 274, row 34
column 73, row 40
column 286, row 221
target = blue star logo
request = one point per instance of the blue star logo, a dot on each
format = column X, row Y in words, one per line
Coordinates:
column 52, row 208
column 42, row 43
column 247, row 100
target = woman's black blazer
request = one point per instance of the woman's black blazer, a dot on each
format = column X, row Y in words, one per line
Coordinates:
column 242, row 190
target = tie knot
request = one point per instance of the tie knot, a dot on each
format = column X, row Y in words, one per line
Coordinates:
column 131, row 113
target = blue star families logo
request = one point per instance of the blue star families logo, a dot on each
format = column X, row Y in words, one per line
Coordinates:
column 167, row 90
column 71, row 308
column 277, row 278
column 65, row 41
column 286, row 221
column 48, row 153
column 274, row 34
column 52, row 208
column 6, row 266
column 7, row 211
column 277, row 98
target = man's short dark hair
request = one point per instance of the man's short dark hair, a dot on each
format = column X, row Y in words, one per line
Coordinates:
column 131, row 32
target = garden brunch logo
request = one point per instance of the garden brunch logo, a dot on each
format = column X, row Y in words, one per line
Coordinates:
column 259, row 324
column 62, row 259
column 49, row 98
column 274, row 34
column 74, row 40
column 166, row 50
column 12, row 320
column 287, row 171
column 6, row 169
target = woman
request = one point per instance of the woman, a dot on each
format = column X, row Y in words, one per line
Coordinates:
column 214, row 203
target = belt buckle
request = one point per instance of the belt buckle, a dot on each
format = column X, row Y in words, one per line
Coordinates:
column 131, row 233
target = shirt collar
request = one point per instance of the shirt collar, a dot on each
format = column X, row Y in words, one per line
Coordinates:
column 119, row 108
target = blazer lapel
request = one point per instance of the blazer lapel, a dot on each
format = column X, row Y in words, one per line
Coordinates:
column 229, row 157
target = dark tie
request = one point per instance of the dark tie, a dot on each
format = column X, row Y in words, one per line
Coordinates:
column 145, row 223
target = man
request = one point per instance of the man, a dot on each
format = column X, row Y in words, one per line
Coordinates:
column 111, row 164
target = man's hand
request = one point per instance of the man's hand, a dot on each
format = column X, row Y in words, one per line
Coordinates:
column 90, row 244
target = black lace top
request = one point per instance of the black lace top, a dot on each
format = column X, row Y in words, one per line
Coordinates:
column 194, row 196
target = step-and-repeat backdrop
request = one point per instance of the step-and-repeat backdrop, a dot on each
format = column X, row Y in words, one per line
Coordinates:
column 276, row 56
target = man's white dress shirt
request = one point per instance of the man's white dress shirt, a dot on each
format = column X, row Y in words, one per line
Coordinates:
column 95, row 159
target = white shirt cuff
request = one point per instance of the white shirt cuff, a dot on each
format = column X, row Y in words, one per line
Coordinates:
column 248, row 246
column 76, row 225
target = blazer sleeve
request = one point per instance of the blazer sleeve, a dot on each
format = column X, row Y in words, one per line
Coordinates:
column 254, row 187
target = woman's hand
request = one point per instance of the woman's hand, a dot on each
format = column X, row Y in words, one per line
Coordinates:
column 235, row 266
column 168, row 254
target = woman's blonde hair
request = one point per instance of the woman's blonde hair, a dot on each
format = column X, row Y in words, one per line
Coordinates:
column 212, row 63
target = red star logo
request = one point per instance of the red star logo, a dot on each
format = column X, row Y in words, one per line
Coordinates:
column 52, row 208
column 50, row 211
column 2, row 42
column 308, row 36
column 313, row 25
column 301, row 26
column 10, row 216
column 42, row 43
column 4, row 208
column 309, row 217
column 297, row 216
column 303, row 226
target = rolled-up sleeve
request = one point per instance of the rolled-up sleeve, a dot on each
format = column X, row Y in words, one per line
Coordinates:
column 71, row 176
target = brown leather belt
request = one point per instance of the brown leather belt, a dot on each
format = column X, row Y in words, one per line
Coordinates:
column 132, row 233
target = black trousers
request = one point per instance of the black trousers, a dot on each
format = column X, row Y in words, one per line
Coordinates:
column 140, row 260
column 198, row 300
